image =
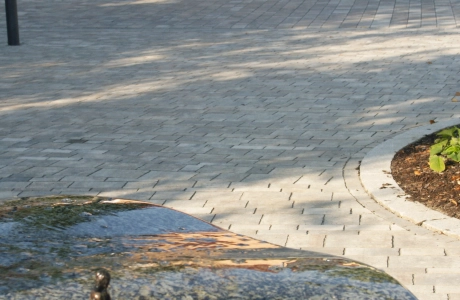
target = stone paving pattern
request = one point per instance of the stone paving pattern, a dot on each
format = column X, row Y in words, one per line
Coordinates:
column 251, row 114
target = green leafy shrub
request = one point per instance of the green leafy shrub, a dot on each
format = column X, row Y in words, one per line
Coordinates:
column 447, row 146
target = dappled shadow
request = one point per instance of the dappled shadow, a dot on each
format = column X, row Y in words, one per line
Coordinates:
column 94, row 105
column 221, row 14
column 239, row 106
column 250, row 129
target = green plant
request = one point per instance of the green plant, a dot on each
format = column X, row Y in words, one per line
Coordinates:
column 447, row 146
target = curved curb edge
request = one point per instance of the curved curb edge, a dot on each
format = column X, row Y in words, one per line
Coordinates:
column 376, row 178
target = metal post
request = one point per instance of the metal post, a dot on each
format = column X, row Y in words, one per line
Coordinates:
column 12, row 25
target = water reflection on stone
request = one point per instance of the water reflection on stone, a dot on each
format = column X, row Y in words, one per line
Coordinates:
column 49, row 250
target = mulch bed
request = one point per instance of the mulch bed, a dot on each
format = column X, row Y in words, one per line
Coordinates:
column 438, row 191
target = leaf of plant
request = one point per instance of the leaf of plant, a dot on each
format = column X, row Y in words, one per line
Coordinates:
column 449, row 132
column 451, row 149
column 457, row 134
column 438, row 140
column 454, row 156
column 454, row 141
column 437, row 148
column 437, row 163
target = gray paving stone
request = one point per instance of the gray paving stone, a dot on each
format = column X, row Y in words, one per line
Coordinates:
column 97, row 184
column 252, row 229
column 47, row 185
column 6, row 195
column 426, row 292
column 250, row 187
column 341, row 218
column 294, row 219
column 350, row 251
column 438, row 280
column 119, row 173
column 13, row 185
column 231, row 210
column 263, row 209
column 70, row 191
column 217, row 196
column 379, row 262
column 429, row 261
column 34, row 193
column 331, row 251
column 372, row 241
column 226, row 220
column 301, row 240
column 282, row 205
column 423, row 251
column 172, row 195
column 371, row 228
column 208, row 108
column 168, row 185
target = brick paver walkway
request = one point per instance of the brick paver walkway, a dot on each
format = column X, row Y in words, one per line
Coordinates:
column 251, row 114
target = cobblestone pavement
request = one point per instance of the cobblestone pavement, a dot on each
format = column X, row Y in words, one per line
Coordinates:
column 252, row 114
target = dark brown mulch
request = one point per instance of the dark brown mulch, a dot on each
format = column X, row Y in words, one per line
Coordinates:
column 438, row 191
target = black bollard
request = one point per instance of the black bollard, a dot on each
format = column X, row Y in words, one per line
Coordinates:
column 100, row 289
column 12, row 25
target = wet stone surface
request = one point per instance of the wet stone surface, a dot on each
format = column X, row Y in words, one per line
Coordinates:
column 51, row 248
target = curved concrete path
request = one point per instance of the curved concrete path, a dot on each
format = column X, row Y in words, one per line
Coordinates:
column 253, row 115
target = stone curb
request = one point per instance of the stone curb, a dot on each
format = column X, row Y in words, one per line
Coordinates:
column 375, row 175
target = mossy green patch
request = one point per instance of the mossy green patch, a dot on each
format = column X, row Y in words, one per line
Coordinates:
column 342, row 268
column 363, row 274
column 60, row 211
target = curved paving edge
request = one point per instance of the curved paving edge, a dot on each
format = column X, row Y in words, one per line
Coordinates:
column 376, row 178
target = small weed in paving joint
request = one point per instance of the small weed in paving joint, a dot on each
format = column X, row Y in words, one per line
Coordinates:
column 447, row 146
